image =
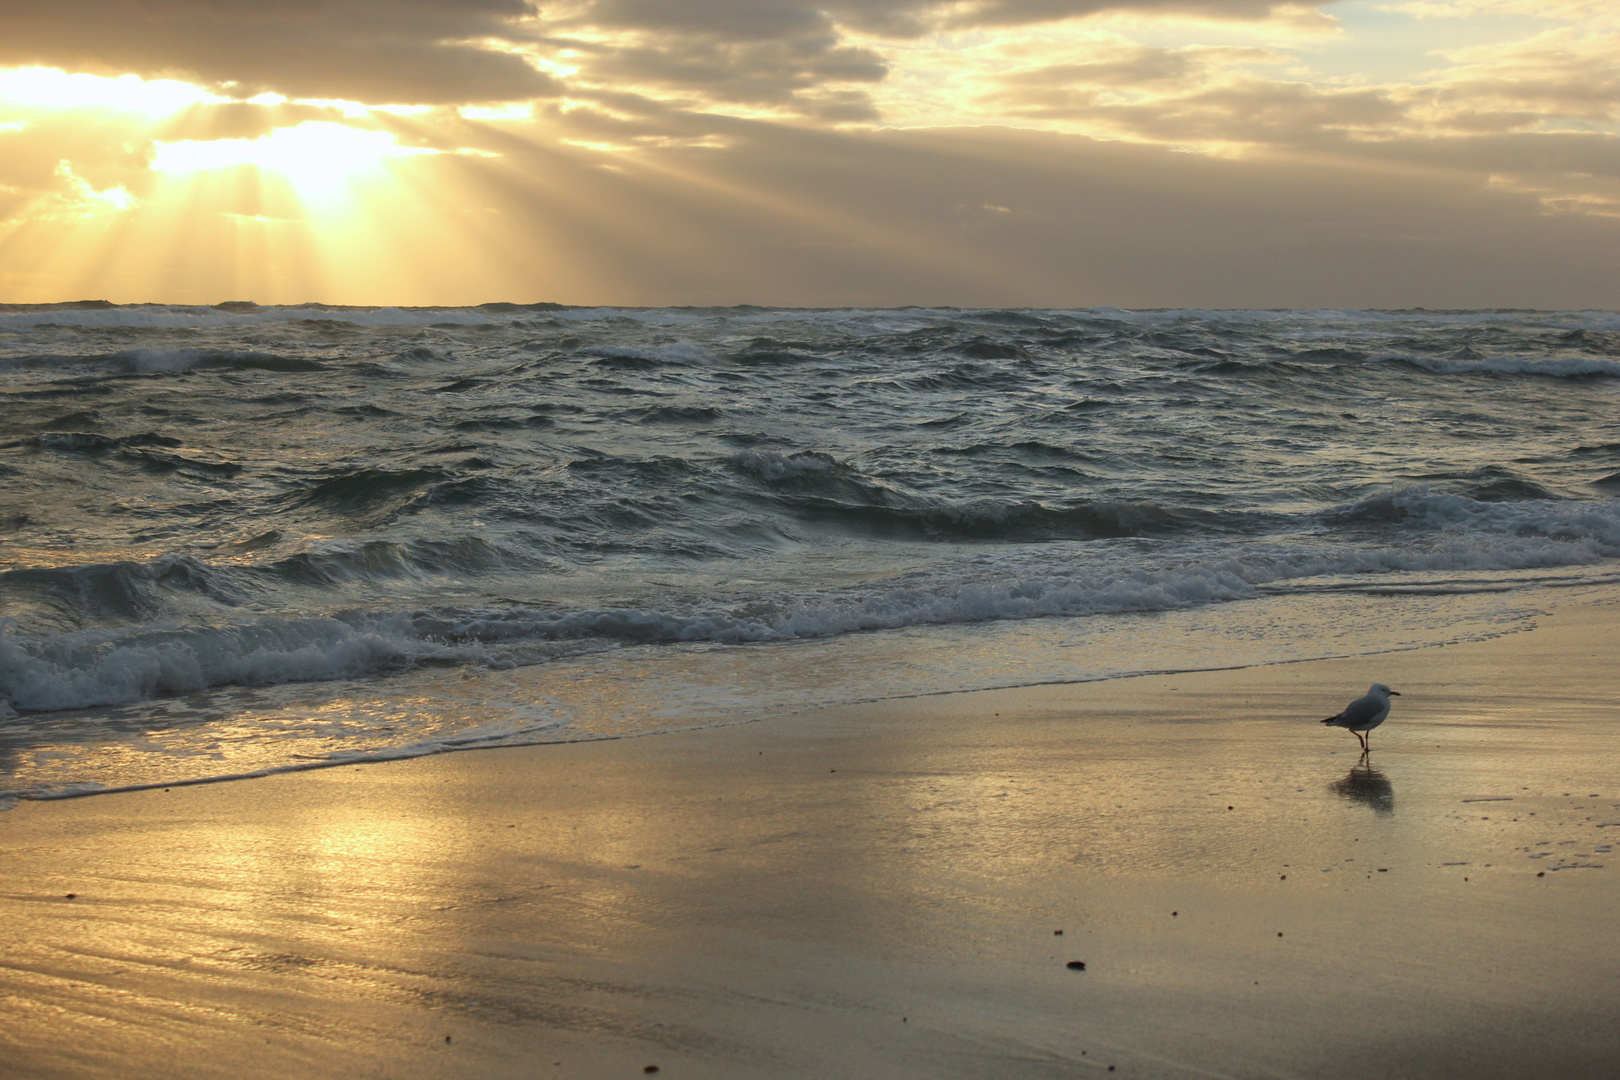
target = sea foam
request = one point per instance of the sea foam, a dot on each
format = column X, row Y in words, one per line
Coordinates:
column 82, row 669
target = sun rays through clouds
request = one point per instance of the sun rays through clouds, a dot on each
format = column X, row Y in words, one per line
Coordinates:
column 769, row 150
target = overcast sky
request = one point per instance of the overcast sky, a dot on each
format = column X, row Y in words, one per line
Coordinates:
column 1199, row 153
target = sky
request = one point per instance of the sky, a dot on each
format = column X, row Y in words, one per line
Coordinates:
column 816, row 153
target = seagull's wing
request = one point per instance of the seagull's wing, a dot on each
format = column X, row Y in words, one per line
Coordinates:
column 1363, row 710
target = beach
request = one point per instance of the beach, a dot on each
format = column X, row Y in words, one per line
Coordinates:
column 891, row 889
column 788, row 541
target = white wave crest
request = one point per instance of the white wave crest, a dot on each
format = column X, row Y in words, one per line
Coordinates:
column 93, row 668
column 1587, row 531
column 1560, row 367
column 774, row 468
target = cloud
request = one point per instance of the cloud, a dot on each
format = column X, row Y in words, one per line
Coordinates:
column 788, row 74
column 779, row 214
column 760, row 19
column 802, row 56
column 1563, row 79
column 847, row 151
column 794, row 56
column 992, row 13
column 1125, row 66
column 1557, row 77
column 40, row 186
column 379, row 51
column 996, row 216
column 1194, row 96
column 1589, row 12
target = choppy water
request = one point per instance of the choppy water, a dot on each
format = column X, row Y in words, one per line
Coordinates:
column 238, row 538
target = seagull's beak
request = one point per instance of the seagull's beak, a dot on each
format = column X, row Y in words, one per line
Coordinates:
column 1394, row 693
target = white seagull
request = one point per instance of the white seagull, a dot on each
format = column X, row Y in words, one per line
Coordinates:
column 1365, row 713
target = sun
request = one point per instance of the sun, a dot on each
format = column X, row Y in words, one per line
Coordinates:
column 325, row 162
column 160, row 187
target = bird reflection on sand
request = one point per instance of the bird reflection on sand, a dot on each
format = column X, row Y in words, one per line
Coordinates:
column 1365, row 784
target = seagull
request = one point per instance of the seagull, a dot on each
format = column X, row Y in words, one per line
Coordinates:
column 1365, row 713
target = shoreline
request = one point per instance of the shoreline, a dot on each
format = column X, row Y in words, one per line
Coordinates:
column 874, row 890
column 1595, row 593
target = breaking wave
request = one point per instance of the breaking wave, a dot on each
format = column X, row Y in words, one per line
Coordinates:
column 80, row 669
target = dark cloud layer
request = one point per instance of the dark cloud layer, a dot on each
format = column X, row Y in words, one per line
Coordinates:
column 377, row 51
column 770, row 72
column 990, row 216
column 780, row 52
column 432, row 51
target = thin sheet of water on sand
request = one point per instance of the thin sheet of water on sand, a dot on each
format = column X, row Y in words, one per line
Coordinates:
column 876, row 891
column 650, row 688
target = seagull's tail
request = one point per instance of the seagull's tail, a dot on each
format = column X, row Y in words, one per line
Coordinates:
column 1332, row 719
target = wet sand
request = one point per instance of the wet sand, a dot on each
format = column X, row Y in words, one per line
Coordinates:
column 877, row 892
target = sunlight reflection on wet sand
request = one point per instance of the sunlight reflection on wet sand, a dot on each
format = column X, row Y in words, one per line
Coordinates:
column 871, row 891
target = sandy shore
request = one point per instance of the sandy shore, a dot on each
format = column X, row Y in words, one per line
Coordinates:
column 877, row 892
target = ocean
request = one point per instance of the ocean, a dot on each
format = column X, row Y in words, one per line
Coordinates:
column 242, row 539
